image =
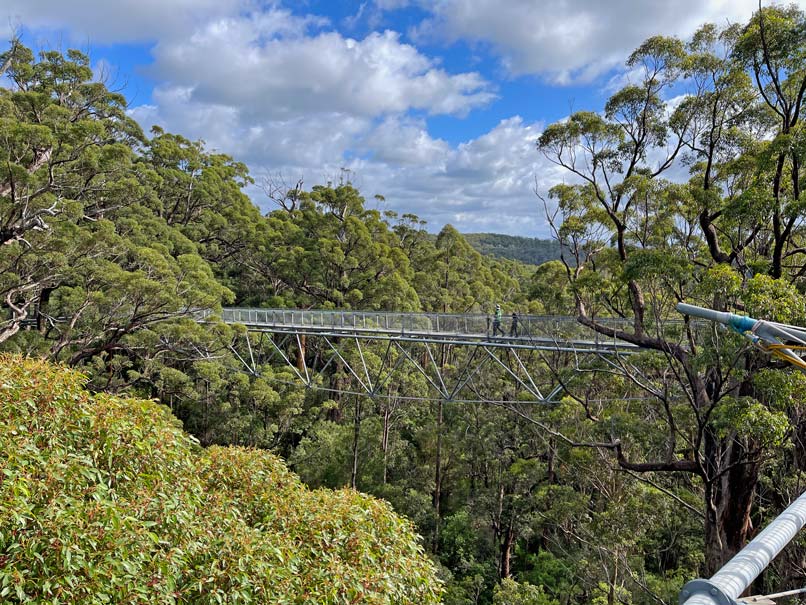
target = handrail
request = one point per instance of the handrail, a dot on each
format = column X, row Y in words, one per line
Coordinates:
column 466, row 324
column 736, row 575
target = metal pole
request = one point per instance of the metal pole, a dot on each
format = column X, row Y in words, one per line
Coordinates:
column 738, row 322
column 737, row 574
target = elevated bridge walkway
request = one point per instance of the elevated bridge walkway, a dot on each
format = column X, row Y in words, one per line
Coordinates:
column 462, row 357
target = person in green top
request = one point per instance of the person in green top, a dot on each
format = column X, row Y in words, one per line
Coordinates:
column 497, row 321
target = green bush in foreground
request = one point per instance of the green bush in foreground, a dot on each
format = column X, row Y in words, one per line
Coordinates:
column 105, row 500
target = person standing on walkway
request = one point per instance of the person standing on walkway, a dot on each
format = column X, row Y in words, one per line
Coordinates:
column 497, row 321
column 513, row 331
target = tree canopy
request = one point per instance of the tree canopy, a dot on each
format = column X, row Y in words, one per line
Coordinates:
column 105, row 499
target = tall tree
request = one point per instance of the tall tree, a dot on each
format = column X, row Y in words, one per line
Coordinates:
column 65, row 156
column 635, row 244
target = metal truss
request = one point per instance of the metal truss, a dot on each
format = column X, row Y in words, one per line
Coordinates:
column 453, row 370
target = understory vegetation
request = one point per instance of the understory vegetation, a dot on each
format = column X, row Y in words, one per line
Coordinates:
column 642, row 472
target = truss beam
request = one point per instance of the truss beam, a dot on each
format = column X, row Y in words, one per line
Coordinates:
column 419, row 345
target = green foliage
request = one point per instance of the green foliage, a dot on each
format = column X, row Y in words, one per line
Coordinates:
column 111, row 241
column 337, row 254
column 105, row 499
column 750, row 418
column 510, row 592
column 530, row 250
column 775, row 300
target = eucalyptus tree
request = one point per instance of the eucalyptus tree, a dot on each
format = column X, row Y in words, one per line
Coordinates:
column 110, row 241
column 64, row 162
column 334, row 252
column 636, row 239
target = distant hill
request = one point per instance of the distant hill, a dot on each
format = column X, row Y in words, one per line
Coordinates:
column 525, row 249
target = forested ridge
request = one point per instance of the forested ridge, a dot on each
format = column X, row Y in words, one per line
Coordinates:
column 529, row 250
column 650, row 471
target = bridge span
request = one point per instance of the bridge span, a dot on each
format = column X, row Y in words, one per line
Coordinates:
column 535, row 332
column 371, row 353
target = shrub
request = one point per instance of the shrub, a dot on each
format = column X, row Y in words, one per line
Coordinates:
column 105, row 500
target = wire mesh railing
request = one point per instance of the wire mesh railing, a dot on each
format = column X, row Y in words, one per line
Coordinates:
column 550, row 327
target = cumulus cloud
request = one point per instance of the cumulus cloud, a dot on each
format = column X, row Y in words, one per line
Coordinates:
column 404, row 142
column 247, row 61
column 572, row 40
column 483, row 184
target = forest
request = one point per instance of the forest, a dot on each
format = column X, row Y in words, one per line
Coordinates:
column 645, row 473
column 529, row 250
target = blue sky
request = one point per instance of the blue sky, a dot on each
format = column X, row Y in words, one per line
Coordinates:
column 436, row 105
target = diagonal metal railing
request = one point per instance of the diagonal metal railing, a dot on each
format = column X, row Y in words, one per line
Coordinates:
column 726, row 586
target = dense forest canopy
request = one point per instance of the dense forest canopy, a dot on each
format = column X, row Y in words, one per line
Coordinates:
column 649, row 471
column 530, row 250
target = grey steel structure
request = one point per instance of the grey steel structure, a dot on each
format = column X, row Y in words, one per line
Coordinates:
column 735, row 577
column 416, row 342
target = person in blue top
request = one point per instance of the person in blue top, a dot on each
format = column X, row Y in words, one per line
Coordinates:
column 497, row 321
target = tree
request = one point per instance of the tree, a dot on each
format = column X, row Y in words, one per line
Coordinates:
column 637, row 244
column 336, row 253
column 66, row 149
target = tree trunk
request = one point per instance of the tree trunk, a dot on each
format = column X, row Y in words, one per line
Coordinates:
column 438, row 477
column 385, row 441
column 506, row 550
column 334, row 414
column 438, row 456
column 728, row 500
column 301, row 354
column 356, row 435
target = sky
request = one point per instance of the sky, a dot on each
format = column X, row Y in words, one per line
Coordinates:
column 434, row 105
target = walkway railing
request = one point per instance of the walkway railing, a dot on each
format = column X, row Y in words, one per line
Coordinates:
column 562, row 328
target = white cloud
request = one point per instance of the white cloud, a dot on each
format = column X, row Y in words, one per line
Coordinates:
column 298, row 142
column 572, row 40
column 404, row 142
column 392, row 4
column 288, row 95
column 113, row 21
column 250, row 62
column 483, row 184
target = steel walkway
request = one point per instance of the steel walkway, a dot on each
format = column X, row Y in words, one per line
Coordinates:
column 371, row 353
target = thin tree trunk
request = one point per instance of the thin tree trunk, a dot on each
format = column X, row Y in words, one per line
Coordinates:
column 301, row 353
column 438, row 477
column 506, row 550
column 356, row 435
column 385, row 441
